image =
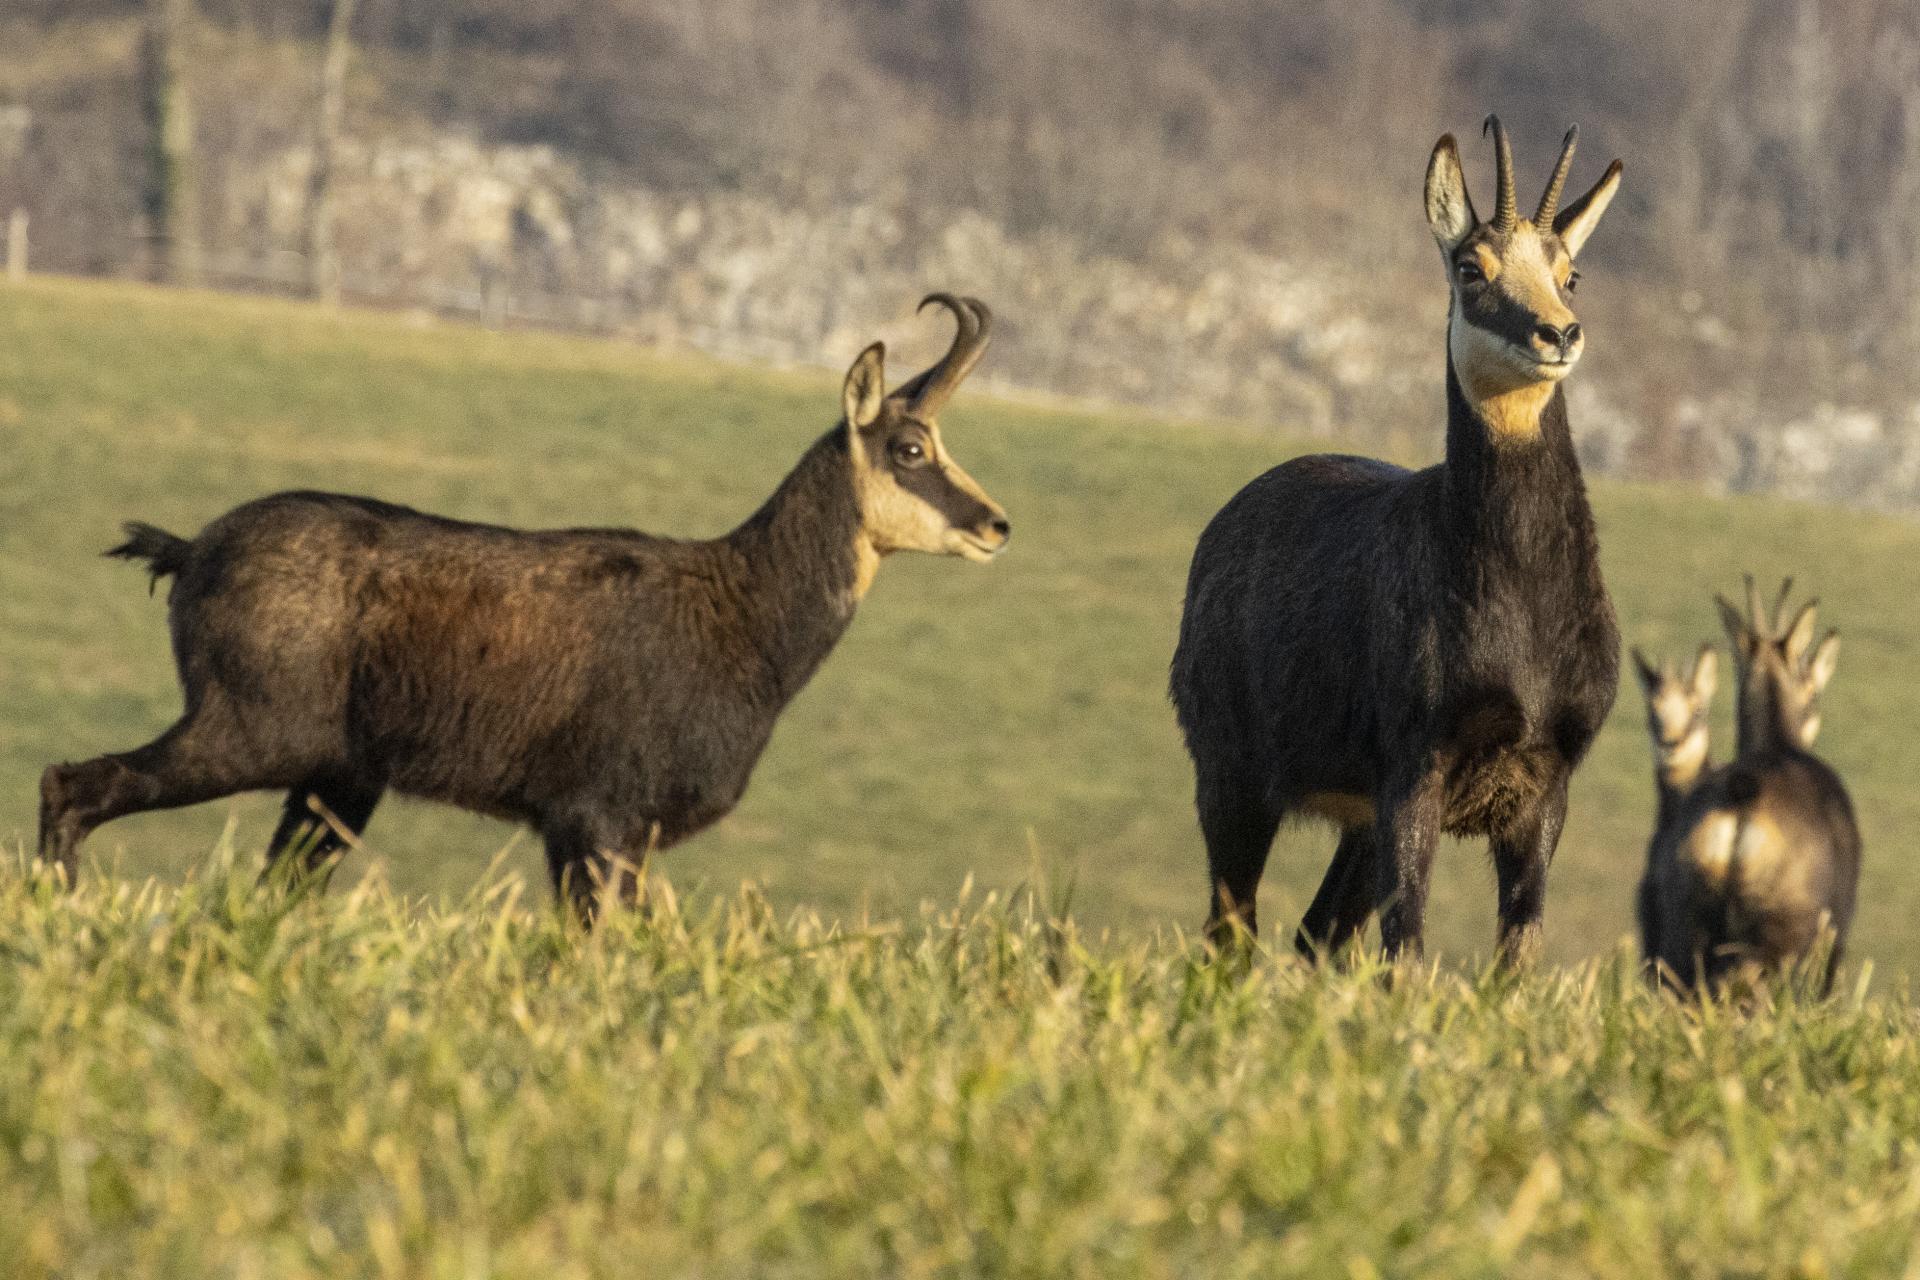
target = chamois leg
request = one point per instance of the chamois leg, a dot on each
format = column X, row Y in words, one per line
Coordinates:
column 586, row 864
column 1834, row 959
column 1239, row 829
column 200, row 758
column 350, row 802
column 1409, row 832
column 1521, row 855
column 1647, row 915
column 1345, row 898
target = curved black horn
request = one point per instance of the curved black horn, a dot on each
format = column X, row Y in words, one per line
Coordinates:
column 928, row 391
column 1550, row 202
column 1506, row 211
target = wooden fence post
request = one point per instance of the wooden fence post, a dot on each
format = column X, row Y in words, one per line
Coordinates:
column 17, row 245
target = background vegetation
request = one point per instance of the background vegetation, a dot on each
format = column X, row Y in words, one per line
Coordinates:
column 974, row 720
column 1202, row 205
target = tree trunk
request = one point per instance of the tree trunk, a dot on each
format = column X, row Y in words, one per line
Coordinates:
column 323, row 255
column 171, row 205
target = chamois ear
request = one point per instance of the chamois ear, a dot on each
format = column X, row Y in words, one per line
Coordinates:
column 865, row 389
column 1449, row 208
column 1820, row 670
column 1800, row 634
column 1706, row 671
column 1577, row 221
column 1650, row 676
column 1736, row 625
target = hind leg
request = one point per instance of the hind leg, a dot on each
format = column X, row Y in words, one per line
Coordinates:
column 1239, row 828
column 350, row 802
column 1345, row 899
column 198, row 759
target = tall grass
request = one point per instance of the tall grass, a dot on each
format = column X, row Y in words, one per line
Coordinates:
column 210, row 1079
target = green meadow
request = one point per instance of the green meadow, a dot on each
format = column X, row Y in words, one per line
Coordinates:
column 976, row 720
column 927, row 1004
column 214, row 1081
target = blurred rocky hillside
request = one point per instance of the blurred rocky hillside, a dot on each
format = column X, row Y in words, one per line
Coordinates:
column 1203, row 206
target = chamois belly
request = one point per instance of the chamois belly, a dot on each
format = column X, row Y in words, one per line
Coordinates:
column 1488, row 791
column 1497, row 763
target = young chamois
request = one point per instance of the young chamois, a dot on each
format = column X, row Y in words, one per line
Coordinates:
column 1756, row 859
column 1678, row 707
column 1409, row 653
column 609, row 688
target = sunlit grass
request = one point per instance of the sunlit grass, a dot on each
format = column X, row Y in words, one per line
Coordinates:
column 210, row 1079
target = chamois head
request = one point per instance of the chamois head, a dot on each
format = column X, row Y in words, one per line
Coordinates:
column 1677, row 707
column 913, row 495
column 1511, row 332
column 1781, row 670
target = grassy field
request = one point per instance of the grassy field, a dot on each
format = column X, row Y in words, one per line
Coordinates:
column 209, row 1081
column 974, row 720
column 422, row 1073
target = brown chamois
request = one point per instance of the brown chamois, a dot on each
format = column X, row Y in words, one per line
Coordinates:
column 611, row 689
column 1763, row 855
column 1406, row 653
column 1678, row 707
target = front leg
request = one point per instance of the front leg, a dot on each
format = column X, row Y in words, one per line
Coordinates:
column 1408, row 830
column 595, row 861
column 1521, row 855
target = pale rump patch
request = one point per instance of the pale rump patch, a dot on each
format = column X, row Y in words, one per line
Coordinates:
column 1709, row 846
column 1761, row 848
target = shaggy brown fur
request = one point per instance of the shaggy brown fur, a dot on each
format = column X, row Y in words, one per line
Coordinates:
column 1752, row 863
column 612, row 689
column 1407, row 653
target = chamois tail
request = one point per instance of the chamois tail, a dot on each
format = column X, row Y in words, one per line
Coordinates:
column 164, row 553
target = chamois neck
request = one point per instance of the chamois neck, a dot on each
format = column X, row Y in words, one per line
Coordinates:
column 800, row 565
column 1506, row 484
column 1676, row 770
column 1765, row 723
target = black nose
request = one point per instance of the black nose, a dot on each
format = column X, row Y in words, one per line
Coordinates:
column 1556, row 337
column 1000, row 526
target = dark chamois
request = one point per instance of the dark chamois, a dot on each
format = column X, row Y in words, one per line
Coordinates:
column 1678, row 707
column 1762, row 857
column 610, row 688
column 1406, row 653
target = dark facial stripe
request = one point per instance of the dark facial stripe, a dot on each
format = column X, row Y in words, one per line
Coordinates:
column 1493, row 310
column 932, row 485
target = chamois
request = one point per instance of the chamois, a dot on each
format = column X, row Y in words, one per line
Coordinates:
column 1678, row 707
column 610, row 688
column 1762, row 855
column 1406, row 653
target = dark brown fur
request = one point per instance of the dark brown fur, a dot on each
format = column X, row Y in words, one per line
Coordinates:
column 1750, row 866
column 1407, row 653
column 610, row 688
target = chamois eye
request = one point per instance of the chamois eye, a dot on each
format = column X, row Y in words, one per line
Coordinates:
column 1573, row 280
column 909, row 453
column 1470, row 272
